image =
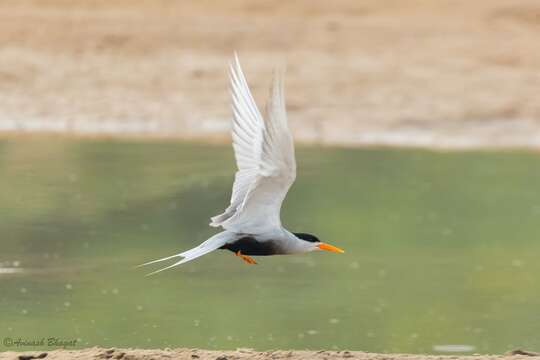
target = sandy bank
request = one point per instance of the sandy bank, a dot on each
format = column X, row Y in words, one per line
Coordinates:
column 181, row 354
column 451, row 74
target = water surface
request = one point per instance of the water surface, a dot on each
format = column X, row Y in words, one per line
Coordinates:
column 442, row 249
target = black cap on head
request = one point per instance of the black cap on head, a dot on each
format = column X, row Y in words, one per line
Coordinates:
column 307, row 237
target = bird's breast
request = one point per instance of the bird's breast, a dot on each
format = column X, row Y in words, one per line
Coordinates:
column 249, row 245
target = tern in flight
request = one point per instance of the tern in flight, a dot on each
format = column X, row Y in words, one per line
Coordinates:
column 264, row 152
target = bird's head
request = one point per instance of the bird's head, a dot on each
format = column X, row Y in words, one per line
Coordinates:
column 313, row 243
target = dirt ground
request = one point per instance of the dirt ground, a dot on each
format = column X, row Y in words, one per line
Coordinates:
column 181, row 354
column 445, row 73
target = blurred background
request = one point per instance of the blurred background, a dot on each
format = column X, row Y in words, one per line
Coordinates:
column 114, row 150
column 435, row 73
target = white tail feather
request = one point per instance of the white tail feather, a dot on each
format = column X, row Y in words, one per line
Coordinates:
column 214, row 243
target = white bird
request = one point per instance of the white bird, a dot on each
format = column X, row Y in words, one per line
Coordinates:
column 264, row 152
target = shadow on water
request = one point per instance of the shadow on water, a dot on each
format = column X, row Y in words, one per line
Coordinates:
column 441, row 249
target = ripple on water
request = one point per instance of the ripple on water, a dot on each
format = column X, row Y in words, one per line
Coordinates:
column 454, row 348
column 10, row 270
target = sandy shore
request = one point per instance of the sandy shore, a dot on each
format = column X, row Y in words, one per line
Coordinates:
column 423, row 73
column 181, row 354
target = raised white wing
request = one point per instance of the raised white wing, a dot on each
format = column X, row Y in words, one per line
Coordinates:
column 264, row 152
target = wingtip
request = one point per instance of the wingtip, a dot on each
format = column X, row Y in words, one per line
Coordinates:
column 235, row 65
column 234, row 68
column 278, row 78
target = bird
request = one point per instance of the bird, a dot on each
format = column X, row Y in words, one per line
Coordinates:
column 265, row 157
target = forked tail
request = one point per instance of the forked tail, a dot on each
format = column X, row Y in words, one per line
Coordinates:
column 214, row 243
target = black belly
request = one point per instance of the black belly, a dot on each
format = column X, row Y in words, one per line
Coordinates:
column 248, row 245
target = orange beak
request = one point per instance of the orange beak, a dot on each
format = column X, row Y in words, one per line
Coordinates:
column 329, row 247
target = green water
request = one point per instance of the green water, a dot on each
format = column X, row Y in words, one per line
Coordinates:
column 442, row 249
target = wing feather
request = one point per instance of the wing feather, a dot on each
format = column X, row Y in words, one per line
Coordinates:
column 264, row 152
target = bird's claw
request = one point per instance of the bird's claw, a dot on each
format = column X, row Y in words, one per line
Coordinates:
column 246, row 258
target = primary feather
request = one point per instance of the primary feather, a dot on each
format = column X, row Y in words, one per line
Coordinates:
column 264, row 152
